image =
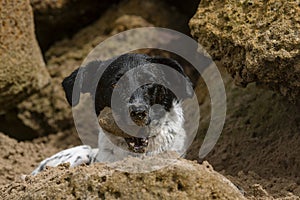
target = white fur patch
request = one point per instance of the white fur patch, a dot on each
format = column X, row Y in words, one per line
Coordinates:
column 167, row 134
column 75, row 156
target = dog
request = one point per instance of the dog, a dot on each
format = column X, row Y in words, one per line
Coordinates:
column 153, row 107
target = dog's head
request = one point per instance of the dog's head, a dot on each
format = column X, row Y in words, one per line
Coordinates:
column 143, row 97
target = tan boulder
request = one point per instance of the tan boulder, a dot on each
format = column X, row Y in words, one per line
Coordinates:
column 180, row 179
column 257, row 41
column 22, row 69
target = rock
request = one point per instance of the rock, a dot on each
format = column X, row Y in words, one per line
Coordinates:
column 65, row 17
column 40, row 114
column 181, row 180
column 22, row 69
column 45, row 112
column 257, row 41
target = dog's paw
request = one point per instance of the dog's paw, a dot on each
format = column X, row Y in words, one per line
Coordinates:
column 75, row 156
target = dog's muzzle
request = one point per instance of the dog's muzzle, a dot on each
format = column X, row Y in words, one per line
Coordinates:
column 139, row 115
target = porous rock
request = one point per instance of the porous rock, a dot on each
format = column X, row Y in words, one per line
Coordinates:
column 22, row 69
column 181, row 180
column 257, row 41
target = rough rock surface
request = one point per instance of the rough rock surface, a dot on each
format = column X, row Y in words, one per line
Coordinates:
column 257, row 41
column 180, row 180
column 64, row 17
column 22, row 69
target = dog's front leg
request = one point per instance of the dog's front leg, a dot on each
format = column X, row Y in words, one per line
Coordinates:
column 75, row 156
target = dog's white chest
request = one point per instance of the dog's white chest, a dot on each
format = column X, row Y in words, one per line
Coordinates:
column 167, row 134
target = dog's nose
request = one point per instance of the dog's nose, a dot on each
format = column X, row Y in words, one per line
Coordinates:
column 139, row 114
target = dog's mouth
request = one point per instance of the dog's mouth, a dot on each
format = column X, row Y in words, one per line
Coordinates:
column 137, row 145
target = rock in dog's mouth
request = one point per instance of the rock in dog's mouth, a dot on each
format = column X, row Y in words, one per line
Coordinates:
column 137, row 145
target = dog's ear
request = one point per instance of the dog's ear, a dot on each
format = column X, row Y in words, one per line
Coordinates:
column 81, row 80
column 188, row 93
column 68, row 84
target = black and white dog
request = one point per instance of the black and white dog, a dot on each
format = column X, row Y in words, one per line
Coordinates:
column 152, row 106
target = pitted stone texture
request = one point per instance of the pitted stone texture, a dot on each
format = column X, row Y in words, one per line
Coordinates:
column 181, row 180
column 22, row 69
column 257, row 41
